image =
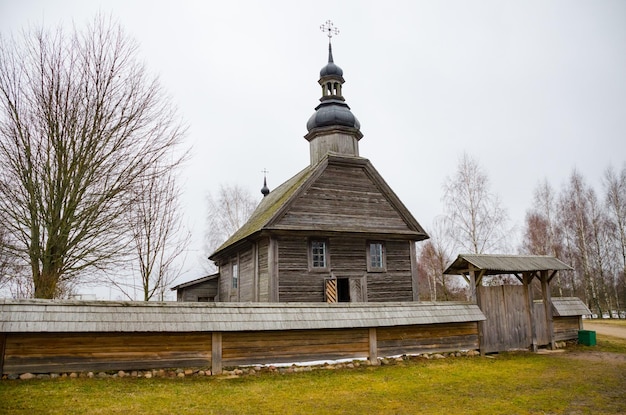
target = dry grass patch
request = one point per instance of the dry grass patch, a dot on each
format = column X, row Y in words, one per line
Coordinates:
column 509, row 383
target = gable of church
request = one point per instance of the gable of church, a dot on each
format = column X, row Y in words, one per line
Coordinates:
column 348, row 196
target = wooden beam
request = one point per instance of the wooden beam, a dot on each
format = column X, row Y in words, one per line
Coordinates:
column 481, row 274
column 466, row 277
column 547, row 306
column 519, row 277
column 552, row 276
column 472, row 283
column 414, row 279
column 528, row 293
column 216, row 353
column 481, row 324
column 373, row 346
column 255, row 272
column 272, row 259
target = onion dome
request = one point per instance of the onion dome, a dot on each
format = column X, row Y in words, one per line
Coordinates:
column 265, row 190
column 333, row 110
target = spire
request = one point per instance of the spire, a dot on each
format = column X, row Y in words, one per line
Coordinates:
column 333, row 127
column 265, row 190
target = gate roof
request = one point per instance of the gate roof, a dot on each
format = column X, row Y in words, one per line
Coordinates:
column 505, row 264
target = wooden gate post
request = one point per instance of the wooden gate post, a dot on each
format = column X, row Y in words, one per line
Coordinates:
column 547, row 305
column 528, row 293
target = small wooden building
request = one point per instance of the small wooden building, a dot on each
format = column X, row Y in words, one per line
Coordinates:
column 335, row 232
column 201, row 290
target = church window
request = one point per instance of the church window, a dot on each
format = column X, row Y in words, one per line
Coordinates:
column 235, row 275
column 318, row 254
column 376, row 257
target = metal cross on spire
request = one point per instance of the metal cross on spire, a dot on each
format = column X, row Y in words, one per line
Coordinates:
column 330, row 29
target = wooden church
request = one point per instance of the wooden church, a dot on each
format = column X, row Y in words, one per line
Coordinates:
column 335, row 232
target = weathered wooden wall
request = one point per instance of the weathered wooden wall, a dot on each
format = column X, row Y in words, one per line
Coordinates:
column 427, row 339
column 72, row 352
column 207, row 289
column 263, row 271
column 246, row 275
column 344, row 198
column 347, row 259
column 508, row 325
column 43, row 337
column 244, row 348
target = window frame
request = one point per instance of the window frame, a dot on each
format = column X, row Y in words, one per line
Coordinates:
column 326, row 267
column 383, row 256
column 234, row 275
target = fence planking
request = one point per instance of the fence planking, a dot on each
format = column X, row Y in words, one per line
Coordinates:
column 52, row 336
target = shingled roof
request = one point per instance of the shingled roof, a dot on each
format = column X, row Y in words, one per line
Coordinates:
column 505, row 264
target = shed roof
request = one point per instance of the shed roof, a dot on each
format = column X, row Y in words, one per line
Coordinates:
column 99, row 316
column 196, row 281
column 569, row 306
column 505, row 264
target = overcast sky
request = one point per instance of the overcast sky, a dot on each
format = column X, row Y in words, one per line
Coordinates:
column 531, row 89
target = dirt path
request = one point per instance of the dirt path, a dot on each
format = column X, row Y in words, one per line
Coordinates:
column 605, row 329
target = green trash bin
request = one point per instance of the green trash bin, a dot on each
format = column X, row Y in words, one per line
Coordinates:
column 587, row 337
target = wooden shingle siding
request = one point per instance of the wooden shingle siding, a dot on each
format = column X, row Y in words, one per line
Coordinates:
column 343, row 198
column 65, row 352
column 294, row 346
column 426, row 339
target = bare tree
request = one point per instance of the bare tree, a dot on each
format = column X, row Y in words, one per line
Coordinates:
column 542, row 235
column 158, row 238
column 476, row 217
column 81, row 122
column 227, row 211
column 615, row 190
column 434, row 256
column 575, row 205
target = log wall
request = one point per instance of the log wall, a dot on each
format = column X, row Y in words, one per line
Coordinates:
column 74, row 352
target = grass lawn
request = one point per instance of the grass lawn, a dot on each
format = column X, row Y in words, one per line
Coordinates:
column 582, row 380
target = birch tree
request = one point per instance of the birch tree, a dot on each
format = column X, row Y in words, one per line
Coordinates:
column 81, row 122
column 227, row 211
column 615, row 190
column 477, row 220
column 159, row 239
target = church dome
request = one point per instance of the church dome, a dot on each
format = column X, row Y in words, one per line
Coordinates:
column 331, row 69
column 332, row 113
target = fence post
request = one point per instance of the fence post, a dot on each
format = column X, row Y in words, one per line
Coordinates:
column 3, row 341
column 373, row 342
column 216, row 353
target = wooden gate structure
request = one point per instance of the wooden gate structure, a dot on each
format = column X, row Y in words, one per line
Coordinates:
column 513, row 319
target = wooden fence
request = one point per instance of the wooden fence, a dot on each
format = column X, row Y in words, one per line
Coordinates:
column 54, row 337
